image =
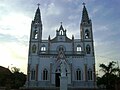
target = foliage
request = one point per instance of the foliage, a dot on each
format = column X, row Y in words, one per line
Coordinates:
column 12, row 80
column 14, row 69
column 110, row 77
column 4, row 76
column 18, row 80
column 4, row 79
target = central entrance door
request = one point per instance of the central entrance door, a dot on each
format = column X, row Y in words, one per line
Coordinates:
column 57, row 79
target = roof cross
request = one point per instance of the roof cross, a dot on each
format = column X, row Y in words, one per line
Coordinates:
column 83, row 4
column 61, row 23
column 38, row 4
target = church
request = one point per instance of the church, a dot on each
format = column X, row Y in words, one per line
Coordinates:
column 45, row 56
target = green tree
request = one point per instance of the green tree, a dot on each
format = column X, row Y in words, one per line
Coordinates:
column 110, row 75
column 11, row 79
column 14, row 69
column 18, row 78
column 109, row 69
column 5, row 77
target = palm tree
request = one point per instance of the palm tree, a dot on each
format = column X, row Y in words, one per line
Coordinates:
column 109, row 69
column 110, row 74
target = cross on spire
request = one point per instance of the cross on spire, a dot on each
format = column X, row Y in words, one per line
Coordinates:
column 38, row 4
column 61, row 23
column 83, row 4
column 85, row 17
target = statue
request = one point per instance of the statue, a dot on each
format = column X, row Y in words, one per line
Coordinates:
column 63, row 70
column 63, row 77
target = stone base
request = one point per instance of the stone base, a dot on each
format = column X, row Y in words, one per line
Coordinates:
column 63, row 83
column 57, row 88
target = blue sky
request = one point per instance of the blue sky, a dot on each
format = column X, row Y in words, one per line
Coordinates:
column 16, row 17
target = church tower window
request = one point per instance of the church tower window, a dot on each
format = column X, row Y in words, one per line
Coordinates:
column 33, row 75
column 78, row 74
column 88, row 49
column 87, row 34
column 35, row 34
column 34, row 48
column 45, row 74
column 89, row 74
column 79, row 49
column 43, row 48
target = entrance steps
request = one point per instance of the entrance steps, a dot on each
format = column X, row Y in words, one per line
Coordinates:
column 58, row 88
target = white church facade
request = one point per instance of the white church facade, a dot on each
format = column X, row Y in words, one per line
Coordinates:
column 45, row 56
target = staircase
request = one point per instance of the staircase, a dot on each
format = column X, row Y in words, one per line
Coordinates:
column 56, row 88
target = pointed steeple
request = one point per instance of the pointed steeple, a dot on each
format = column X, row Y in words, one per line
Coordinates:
column 72, row 37
column 37, row 17
column 61, row 27
column 49, row 38
column 85, row 17
column 36, row 26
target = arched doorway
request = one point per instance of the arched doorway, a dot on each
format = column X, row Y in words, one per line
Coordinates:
column 57, row 77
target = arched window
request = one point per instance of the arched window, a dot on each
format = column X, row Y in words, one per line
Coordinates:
column 34, row 48
column 33, row 75
column 78, row 74
column 66, row 72
column 45, row 74
column 35, row 34
column 43, row 48
column 79, row 49
column 87, row 34
column 88, row 49
column 61, row 32
column 89, row 74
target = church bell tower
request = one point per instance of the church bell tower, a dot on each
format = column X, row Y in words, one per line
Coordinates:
column 36, row 33
column 86, row 32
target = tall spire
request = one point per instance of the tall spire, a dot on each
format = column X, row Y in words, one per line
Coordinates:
column 85, row 17
column 36, row 26
column 37, row 17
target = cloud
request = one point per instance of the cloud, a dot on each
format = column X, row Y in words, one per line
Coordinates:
column 15, row 24
column 96, row 10
column 73, row 17
column 15, row 20
column 101, row 28
column 7, row 38
column 52, row 10
column 15, row 54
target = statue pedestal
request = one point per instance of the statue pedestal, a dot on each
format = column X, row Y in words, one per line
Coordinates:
column 63, row 83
